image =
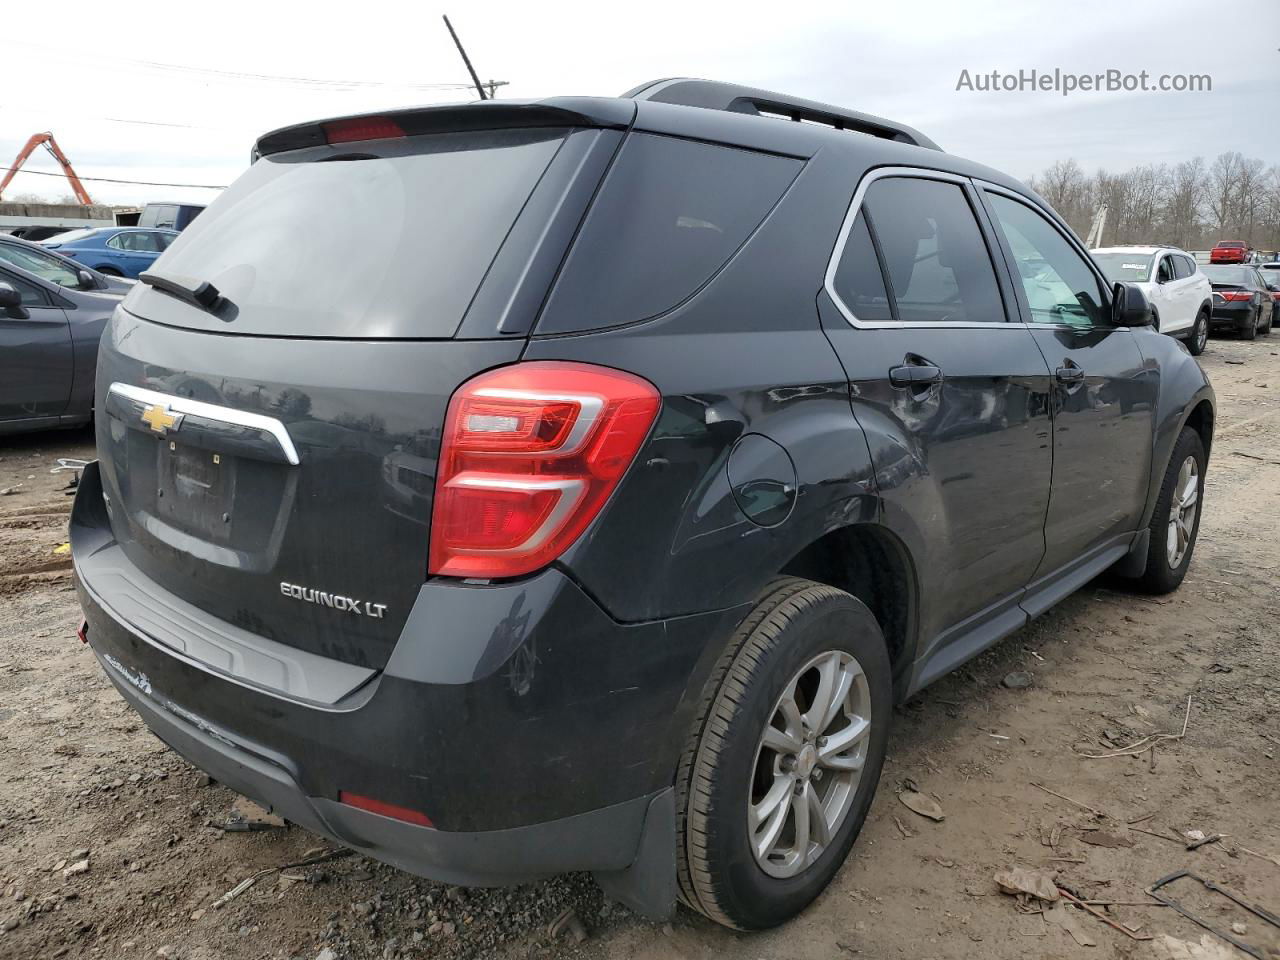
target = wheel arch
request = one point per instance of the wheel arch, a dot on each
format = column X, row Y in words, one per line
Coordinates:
column 868, row 561
column 1201, row 420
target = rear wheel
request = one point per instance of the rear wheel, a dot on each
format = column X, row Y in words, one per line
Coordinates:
column 1250, row 329
column 1176, row 521
column 783, row 762
column 1199, row 338
column 1271, row 319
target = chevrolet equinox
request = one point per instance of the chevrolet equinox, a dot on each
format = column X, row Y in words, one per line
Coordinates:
column 523, row 487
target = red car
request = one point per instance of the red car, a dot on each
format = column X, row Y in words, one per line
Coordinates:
column 1230, row 251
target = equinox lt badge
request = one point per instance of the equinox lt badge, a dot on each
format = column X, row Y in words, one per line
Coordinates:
column 361, row 608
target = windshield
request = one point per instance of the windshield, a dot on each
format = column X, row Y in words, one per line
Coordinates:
column 1236, row 275
column 71, row 236
column 387, row 238
column 1124, row 267
column 43, row 265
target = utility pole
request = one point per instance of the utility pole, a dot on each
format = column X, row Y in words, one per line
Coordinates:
column 467, row 60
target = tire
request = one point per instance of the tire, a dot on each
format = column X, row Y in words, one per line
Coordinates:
column 1163, row 574
column 1271, row 319
column 1199, row 338
column 1250, row 330
column 796, row 629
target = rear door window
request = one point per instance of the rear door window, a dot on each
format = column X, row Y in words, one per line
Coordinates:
column 858, row 281
column 377, row 239
column 938, row 265
column 669, row 216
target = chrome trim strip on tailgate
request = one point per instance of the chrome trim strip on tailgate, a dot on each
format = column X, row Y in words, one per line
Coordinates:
column 211, row 411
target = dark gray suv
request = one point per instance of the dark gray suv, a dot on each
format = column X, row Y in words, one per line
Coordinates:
column 593, row 509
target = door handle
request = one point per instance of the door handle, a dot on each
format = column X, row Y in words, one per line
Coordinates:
column 914, row 375
column 1070, row 374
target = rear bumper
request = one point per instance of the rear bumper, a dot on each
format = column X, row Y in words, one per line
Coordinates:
column 537, row 734
column 605, row 839
column 1231, row 316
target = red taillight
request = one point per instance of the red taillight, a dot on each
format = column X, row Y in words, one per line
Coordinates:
column 530, row 454
column 1235, row 294
column 82, row 631
column 361, row 128
column 384, row 809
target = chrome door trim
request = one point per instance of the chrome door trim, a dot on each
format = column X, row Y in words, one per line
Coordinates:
column 855, row 206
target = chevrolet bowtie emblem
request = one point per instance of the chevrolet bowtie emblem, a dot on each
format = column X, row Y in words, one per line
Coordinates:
column 159, row 419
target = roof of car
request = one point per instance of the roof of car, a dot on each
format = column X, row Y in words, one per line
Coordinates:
column 697, row 109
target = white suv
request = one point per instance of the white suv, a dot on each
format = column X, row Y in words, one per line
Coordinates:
column 1181, row 297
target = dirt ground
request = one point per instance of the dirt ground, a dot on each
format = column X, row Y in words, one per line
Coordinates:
column 78, row 772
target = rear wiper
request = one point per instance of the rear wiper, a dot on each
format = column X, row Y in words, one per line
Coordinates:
column 198, row 293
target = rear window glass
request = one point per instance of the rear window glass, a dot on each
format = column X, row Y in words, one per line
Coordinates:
column 1124, row 267
column 1218, row 274
column 670, row 215
column 386, row 239
column 858, row 280
column 934, row 253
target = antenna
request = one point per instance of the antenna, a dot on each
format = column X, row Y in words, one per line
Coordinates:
column 467, row 60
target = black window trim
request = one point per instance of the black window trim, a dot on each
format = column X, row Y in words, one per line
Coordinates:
column 1011, row 321
column 1104, row 285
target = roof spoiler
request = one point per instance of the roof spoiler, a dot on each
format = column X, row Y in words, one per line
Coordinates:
column 733, row 98
column 461, row 118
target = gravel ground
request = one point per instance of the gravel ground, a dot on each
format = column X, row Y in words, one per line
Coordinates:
column 111, row 846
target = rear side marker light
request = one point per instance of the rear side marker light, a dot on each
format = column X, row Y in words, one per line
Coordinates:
column 529, row 456
column 361, row 128
column 384, row 809
column 82, row 631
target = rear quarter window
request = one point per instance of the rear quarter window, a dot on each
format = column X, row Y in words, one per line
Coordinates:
column 670, row 215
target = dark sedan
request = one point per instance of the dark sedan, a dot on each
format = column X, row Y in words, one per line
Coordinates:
column 34, row 258
column 49, row 333
column 1242, row 303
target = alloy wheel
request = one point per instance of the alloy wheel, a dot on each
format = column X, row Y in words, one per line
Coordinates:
column 1182, row 511
column 809, row 763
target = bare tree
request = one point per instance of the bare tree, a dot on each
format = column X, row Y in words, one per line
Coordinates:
column 1191, row 204
column 1222, row 189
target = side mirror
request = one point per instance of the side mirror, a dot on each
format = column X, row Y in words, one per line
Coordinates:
column 86, row 280
column 11, row 302
column 1129, row 306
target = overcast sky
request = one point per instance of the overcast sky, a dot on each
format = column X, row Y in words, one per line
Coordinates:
column 177, row 91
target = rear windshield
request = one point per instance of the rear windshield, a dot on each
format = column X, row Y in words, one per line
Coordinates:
column 383, row 239
column 71, row 236
column 1124, row 267
column 1216, row 274
column 1231, row 245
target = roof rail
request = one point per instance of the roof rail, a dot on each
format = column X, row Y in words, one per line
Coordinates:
column 714, row 95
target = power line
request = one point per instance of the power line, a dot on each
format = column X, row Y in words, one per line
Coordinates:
column 257, row 77
column 139, row 183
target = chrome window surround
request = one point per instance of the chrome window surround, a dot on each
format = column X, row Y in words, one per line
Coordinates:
column 924, row 173
column 210, row 411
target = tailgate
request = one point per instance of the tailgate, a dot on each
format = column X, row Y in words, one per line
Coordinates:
column 282, row 486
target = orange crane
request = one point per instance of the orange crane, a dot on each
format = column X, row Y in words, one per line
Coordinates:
column 46, row 140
